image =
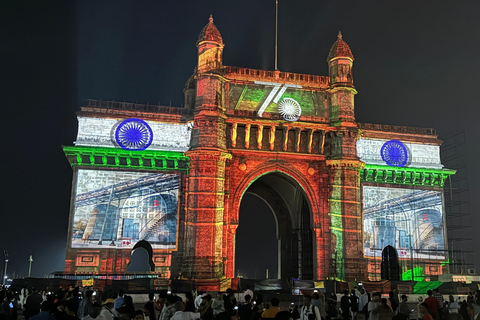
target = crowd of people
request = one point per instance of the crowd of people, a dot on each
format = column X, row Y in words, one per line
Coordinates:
column 357, row 304
column 396, row 306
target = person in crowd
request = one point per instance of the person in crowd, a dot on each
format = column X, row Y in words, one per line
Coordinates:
column 9, row 306
column 318, row 300
column 249, row 292
column 189, row 302
column 198, row 300
column 433, row 305
column 272, row 312
column 373, row 305
column 75, row 296
column 363, row 301
column 245, row 309
column 309, row 311
column 94, row 313
column 229, row 302
column 345, row 305
column 354, row 304
column 475, row 314
column 257, row 311
column 332, row 306
column 218, row 304
column 85, row 305
column 453, row 306
column 295, row 312
column 419, row 302
column 139, row 315
column 44, row 312
column 176, row 297
column 119, row 301
column 159, row 304
column 168, row 309
column 107, row 309
column 178, row 315
column 393, row 302
column 382, row 312
column 149, row 307
column 438, row 296
column 403, row 310
column 206, row 311
column 424, row 311
column 66, row 310
column 127, row 311
column 23, row 297
column 441, row 311
column 32, row 304
column 181, row 314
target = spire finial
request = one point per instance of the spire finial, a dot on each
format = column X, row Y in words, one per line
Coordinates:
column 211, row 18
column 339, row 34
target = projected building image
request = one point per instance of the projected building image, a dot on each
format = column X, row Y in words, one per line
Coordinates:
column 410, row 220
column 118, row 208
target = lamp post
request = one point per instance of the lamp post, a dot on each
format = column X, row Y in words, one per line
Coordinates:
column 5, row 254
column 30, row 266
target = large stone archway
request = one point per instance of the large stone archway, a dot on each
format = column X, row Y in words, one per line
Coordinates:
column 241, row 131
column 293, row 223
column 288, row 189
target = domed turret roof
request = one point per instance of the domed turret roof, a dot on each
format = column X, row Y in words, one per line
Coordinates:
column 191, row 82
column 210, row 33
column 340, row 49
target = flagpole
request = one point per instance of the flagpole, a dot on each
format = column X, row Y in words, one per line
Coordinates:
column 276, row 34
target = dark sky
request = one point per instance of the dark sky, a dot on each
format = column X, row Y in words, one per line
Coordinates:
column 416, row 64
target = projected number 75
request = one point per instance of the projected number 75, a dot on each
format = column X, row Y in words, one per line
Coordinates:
column 289, row 108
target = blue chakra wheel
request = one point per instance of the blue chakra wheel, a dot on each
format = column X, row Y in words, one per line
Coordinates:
column 394, row 153
column 134, row 134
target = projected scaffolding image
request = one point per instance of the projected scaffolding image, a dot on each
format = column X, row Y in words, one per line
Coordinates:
column 409, row 220
column 117, row 209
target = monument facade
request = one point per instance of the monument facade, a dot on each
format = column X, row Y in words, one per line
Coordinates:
column 351, row 200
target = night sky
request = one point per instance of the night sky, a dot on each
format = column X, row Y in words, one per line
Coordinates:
column 416, row 64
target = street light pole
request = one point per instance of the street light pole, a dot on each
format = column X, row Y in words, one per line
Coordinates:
column 5, row 254
column 30, row 266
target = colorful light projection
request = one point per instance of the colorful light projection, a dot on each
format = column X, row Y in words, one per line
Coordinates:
column 419, row 155
column 119, row 208
column 133, row 134
column 289, row 109
column 410, row 220
column 265, row 96
column 100, row 132
column 394, row 153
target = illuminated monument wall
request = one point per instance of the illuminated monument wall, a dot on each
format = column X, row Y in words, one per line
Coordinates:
column 171, row 180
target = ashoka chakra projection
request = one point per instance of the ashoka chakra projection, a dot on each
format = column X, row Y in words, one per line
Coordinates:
column 394, row 153
column 133, row 134
column 289, row 109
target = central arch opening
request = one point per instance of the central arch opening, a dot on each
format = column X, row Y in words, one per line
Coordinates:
column 256, row 248
column 275, row 230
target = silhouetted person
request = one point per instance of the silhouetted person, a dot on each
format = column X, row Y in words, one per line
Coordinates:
column 32, row 304
column 150, row 307
column 66, row 311
column 44, row 312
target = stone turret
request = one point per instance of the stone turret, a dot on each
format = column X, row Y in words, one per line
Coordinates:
column 341, row 89
column 210, row 48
